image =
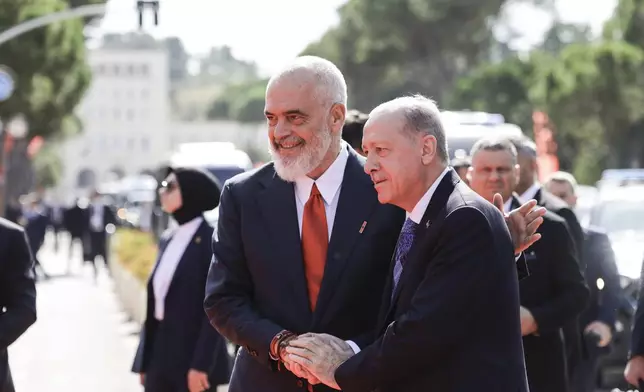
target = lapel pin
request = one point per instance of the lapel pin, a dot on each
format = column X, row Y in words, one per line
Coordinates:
column 427, row 224
column 364, row 224
column 198, row 240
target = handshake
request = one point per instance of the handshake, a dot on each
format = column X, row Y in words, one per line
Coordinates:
column 312, row 356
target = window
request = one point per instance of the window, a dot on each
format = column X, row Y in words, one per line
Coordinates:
column 117, row 114
column 131, row 70
column 116, row 70
column 130, row 115
column 144, row 94
column 145, row 144
column 130, row 144
column 145, row 70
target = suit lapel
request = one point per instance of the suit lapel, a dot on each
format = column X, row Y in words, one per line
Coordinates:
column 277, row 205
column 355, row 205
column 426, row 230
column 190, row 253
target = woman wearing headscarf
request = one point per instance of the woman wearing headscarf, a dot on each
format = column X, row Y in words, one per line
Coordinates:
column 179, row 351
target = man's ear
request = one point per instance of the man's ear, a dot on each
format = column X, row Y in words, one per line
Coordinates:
column 338, row 114
column 429, row 146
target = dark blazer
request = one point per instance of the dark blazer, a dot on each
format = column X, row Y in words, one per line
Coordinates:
column 17, row 293
column 75, row 221
column 453, row 324
column 184, row 339
column 572, row 336
column 108, row 217
column 637, row 334
column 554, row 204
column 256, row 285
column 36, row 229
column 600, row 264
column 555, row 294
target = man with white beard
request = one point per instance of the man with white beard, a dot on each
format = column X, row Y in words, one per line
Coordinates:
column 302, row 243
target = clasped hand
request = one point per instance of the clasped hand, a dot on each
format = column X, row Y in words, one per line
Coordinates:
column 316, row 357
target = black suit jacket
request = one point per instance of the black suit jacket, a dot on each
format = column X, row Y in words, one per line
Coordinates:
column 184, row 339
column 572, row 336
column 556, row 205
column 453, row 324
column 600, row 264
column 555, row 294
column 17, row 293
column 257, row 287
column 75, row 221
column 108, row 217
column 637, row 336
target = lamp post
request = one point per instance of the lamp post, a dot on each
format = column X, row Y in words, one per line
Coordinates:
column 16, row 129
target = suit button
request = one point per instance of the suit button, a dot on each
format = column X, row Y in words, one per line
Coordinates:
column 300, row 384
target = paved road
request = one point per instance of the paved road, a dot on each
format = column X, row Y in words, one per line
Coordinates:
column 81, row 341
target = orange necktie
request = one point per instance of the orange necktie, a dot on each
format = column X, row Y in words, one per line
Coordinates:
column 315, row 241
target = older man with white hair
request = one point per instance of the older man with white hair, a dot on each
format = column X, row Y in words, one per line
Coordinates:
column 450, row 316
column 302, row 243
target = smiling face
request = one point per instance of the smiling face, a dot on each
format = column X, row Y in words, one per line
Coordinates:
column 397, row 159
column 303, row 132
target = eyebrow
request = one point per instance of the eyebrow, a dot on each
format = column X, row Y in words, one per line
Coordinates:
column 288, row 112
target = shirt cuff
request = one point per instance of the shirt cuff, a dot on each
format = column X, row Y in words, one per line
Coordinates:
column 517, row 257
column 353, row 346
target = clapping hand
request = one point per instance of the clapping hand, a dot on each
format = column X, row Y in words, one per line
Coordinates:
column 522, row 222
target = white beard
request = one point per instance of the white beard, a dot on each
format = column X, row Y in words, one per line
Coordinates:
column 310, row 157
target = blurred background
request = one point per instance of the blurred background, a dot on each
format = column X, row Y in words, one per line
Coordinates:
column 116, row 92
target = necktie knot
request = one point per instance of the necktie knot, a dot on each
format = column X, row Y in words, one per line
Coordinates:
column 409, row 227
column 315, row 191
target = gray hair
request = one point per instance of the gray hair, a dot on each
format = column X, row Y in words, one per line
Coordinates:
column 421, row 114
column 330, row 86
column 564, row 178
column 491, row 143
column 524, row 146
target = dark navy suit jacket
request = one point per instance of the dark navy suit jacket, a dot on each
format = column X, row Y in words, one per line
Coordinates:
column 600, row 264
column 453, row 323
column 257, row 287
column 184, row 339
column 17, row 293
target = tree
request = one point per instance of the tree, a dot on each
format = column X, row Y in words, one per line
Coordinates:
column 243, row 102
column 51, row 77
column 407, row 45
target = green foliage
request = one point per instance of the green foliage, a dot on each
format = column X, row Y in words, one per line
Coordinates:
column 48, row 166
column 136, row 251
column 49, row 64
column 243, row 102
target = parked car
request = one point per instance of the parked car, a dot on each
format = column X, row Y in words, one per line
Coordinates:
column 619, row 210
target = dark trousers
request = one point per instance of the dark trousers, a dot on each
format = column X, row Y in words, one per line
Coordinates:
column 584, row 378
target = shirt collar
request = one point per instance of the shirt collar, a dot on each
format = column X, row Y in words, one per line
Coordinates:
column 417, row 213
column 328, row 183
column 530, row 193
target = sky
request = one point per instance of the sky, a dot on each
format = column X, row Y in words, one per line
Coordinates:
column 272, row 32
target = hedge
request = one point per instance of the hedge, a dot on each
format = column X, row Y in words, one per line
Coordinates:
column 136, row 251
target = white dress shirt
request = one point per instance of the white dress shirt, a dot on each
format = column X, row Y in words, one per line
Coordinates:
column 530, row 193
column 96, row 220
column 329, row 185
column 417, row 213
column 169, row 261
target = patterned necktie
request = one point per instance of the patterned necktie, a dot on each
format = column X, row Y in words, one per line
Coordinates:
column 315, row 241
column 405, row 240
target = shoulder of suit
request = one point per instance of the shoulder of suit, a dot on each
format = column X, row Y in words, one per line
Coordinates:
column 252, row 176
column 10, row 226
column 591, row 231
column 552, row 218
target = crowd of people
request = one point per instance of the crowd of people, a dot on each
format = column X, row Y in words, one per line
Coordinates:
column 360, row 259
